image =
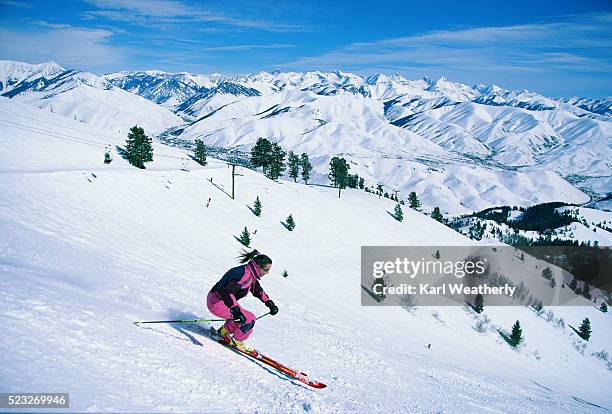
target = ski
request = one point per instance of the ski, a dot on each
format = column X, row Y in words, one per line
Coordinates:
column 300, row 376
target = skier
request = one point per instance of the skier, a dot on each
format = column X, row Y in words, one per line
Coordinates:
column 222, row 300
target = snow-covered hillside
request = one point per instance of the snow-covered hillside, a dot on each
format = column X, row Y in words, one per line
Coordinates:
column 88, row 248
column 487, row 129
column 503, row 147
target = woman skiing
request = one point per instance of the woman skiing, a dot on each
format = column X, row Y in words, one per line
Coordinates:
column 222, row 300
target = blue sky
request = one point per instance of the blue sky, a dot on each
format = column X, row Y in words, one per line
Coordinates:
column 558, row 48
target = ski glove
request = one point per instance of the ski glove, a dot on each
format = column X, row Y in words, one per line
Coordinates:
column 237, row 315
column 272, row 306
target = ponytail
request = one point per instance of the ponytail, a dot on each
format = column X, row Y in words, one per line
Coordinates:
column 260, row 259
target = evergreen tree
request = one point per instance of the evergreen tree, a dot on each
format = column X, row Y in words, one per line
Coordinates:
column 245, row 237
column 261, row 154
column 479, row 303
column 516, row 336
column 585, row 329
column 285, row 273
column 586, row 291
column 379, row 190
column 338, row 173
column 361, row 183
column 294, row 166
column 552, row 283
column 603, row 307
column 277, row 162
column 415, row 203
column 436, row 215
column 290, row 223
column 257, row 207
column 398, row 214
column 199, row 153
column 306, row 167
column 107, row 156
column 352, row 181
column 138, row 147
column 547, row 273
column 574, row 284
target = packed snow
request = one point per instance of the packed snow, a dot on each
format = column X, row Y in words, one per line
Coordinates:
column 88, row 248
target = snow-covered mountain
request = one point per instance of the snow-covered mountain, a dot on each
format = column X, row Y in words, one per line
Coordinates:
column 602, row 106
column 481, row 127
column 13, row 73
column 88, row 248
column 462, row 148
column 82, row 96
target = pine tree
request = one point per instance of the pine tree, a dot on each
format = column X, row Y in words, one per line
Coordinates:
column 290, row 223
column 414, row 201
column 352, row 181
column 516, row 336
column 245, row 237
column 138, row 147
column 306, row 167
column 261, row 154
column 552, row 282
column 379, row 190
column 603, row 307
column 338, row 172
column 107, row 156
column 361, row 183
column 586, row 291
column 199, row 153
column 294, row 166
column 398, row 214
column 257, row 207
column 285, row 273
column 574, row 284
column 479, row 303
column 547, row 273
column 277, row 162
column 585, row 329
column 436, row 215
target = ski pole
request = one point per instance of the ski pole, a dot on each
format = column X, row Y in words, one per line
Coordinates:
column 181, row 321
column 191, row 320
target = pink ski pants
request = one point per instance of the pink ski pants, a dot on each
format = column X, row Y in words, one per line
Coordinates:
column 218, row 308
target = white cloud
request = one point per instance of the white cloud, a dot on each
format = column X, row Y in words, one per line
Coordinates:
column 175, row 12
column 43, row 23
column 70, row 46
column 577, row 43
column 246, row 47
column 19, row 4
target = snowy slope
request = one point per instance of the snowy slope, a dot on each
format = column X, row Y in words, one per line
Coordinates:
column 87, row 248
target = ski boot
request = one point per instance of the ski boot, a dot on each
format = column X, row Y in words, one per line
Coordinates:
column 243, row 346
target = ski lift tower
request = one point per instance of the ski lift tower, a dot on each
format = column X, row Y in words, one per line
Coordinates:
column 233, row 162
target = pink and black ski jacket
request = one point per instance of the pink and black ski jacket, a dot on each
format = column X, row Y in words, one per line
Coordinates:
column 237, row 282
